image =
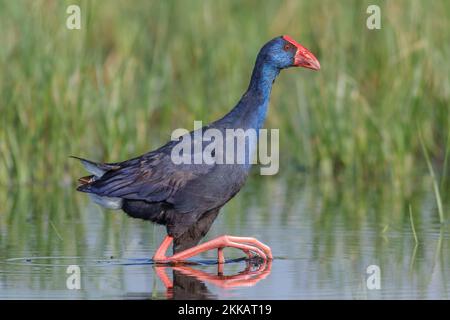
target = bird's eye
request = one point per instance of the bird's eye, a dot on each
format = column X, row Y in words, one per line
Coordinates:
column 287, row 46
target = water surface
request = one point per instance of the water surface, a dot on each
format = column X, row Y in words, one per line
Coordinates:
column 323, row 235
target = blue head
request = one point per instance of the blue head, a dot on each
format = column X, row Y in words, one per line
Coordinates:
column 284, row 52
column 277, row 54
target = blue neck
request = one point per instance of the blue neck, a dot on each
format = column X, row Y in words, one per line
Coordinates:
column 251, row 110
column 262, row 79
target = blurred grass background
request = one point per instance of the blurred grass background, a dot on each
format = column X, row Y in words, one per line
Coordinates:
column 137, row 70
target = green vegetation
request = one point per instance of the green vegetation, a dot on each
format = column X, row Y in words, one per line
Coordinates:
column 371, row 130
column 412, row 225
column 135, row 71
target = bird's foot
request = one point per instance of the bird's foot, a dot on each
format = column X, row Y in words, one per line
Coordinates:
column 247, row 244
column 246, row 278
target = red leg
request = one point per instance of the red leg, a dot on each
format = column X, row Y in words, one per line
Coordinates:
column 245, row 244
column 245, row 278
column 161, row 273
column 160, row 254
column 221, row 257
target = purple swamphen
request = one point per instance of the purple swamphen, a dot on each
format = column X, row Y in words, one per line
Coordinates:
column 186, row 198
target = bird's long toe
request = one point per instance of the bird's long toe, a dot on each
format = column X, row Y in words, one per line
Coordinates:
column 248, row 249
column 254, row 242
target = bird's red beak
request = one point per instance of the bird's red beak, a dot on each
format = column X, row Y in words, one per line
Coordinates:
column 303, row 57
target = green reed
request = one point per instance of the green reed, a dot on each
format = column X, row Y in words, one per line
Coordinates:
column 135, row 71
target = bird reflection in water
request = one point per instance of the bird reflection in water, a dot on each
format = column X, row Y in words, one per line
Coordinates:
column 190, row 282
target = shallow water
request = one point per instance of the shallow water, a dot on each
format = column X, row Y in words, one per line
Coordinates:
column 323, row 236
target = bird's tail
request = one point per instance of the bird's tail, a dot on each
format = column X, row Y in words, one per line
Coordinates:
column 86, row 179
column 97, row 170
